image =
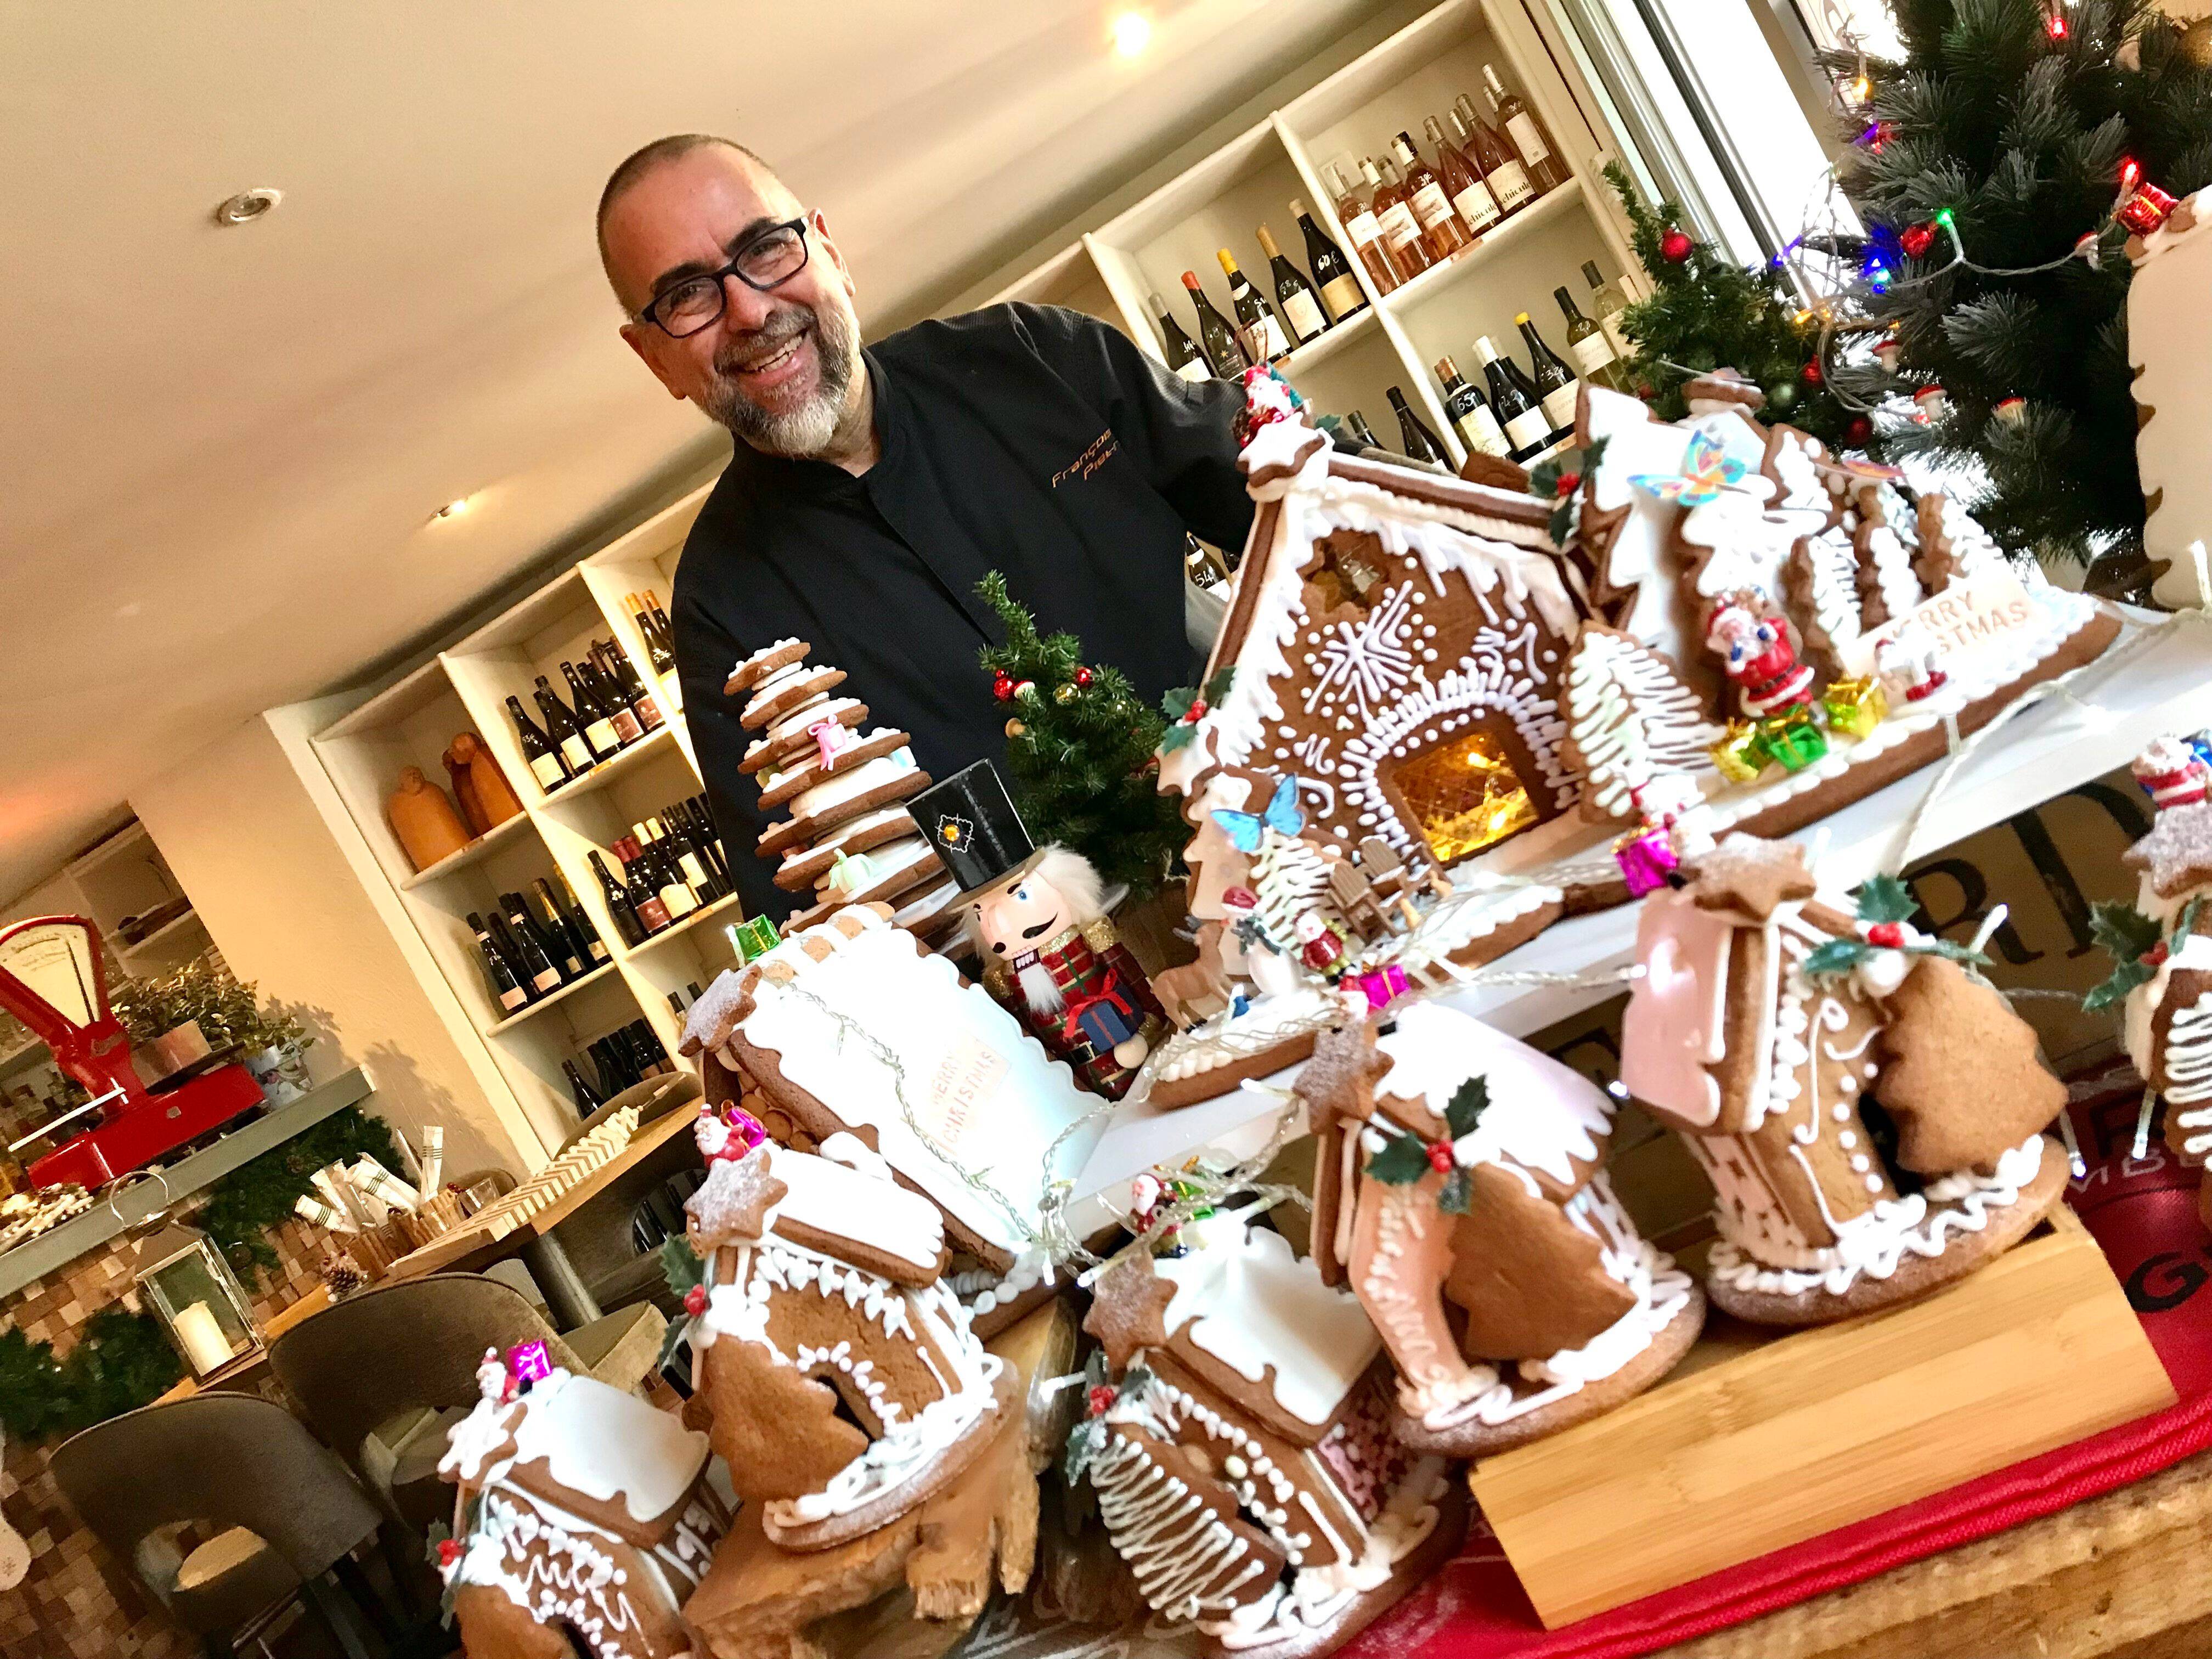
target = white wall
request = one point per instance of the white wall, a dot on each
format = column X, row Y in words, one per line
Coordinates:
column 238, row 825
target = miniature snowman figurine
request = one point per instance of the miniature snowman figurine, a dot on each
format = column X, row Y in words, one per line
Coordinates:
column 1907, row 663
column 492, row 1379
column 1246, row 950
column 1321, row 944
column 1758, row 656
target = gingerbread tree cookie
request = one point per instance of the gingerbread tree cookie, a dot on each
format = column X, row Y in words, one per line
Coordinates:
column 1763, row 1019
column 1458, row 1188
column 848, row 838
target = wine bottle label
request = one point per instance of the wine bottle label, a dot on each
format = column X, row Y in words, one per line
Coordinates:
column 548, row 980
column 1526, row 139
column 654, row 914
column 1342, row 296
column 1530, row 426
column 676, row 898
column 626, row 725
column 1591, row 353
column 579, row 753
column 600, row 734
column 1304, row 313
column 1480, row 431
column 695, row 872
column 599, row 950
column 1431, row 206
column 546, row 768
column 649, row 712
column 1477, row 206
column 1559, row 405
column 1399, row 225
column 1363, row 228
column 512, row 998
column 1267, row 334
column 1509, row 183
column 1611, row 325
column 1196, row 370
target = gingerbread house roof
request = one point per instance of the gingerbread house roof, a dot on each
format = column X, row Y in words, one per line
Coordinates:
column 844, row 1204
column 1497, row 541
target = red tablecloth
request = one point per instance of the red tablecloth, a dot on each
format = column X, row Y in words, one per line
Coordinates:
column 2143, row 1214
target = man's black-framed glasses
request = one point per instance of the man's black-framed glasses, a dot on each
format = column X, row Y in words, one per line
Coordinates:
column 766, row 262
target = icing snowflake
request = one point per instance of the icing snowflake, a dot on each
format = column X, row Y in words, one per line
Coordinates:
column 1368, row 662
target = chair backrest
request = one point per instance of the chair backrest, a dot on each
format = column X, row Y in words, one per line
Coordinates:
column 233, row 1458
column 394, row 1347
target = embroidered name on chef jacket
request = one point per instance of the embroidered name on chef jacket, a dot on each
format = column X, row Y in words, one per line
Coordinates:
column 1104, row 448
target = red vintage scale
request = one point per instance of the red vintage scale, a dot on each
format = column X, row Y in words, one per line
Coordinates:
column 51, row 979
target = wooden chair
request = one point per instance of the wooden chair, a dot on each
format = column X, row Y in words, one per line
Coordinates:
column 286, row 1511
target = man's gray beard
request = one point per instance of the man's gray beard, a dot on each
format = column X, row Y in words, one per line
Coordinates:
column 806, row 431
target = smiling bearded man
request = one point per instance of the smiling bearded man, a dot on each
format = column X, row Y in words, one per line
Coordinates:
column 872, row 487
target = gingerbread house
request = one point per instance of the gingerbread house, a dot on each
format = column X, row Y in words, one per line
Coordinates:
column 838, row 1371
column 852, row 1025
column 1459, row 1188
column 582, row 1512
column 1765, row 1022
column 1242, row 1456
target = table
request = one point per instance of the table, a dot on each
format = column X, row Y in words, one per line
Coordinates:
column 471, row 1248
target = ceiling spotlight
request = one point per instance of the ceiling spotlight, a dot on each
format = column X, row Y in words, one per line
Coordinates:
column 247, row 206
column 451, row 510
column 1133, row 33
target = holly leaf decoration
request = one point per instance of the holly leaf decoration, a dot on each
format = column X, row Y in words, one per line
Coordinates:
column 1887, row 898
column 2187, row 925
column 436, row 1533
column 1544, row 478
column 1943, row 947
column 1561, row 529
column 1175, row 702
column 1136, row 1379
column 2121, row 931
column 1468, row 1103
column 1176, row 737
column 1837, row 956
column 1400, row 1163
column 1085, row 1442
column 1458, row 1194
column 682, row 1265
column 2115, row 987
column 1218, row 687
column 678, row 1332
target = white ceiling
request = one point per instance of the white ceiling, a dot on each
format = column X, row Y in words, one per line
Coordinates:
column 219, row 447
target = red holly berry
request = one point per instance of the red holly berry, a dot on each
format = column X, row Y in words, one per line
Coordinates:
column 1886, row 934
column 1675, row 248
column 1195, row 712
column 2155, row 956
column 695, row 1300
column 1858, row 431
column 1568, row 483
column 1101, row 1397
column 1440, row 1157
column 448, row 1552
column 1812, row 374
column 1083, row 677
column 1916, row 239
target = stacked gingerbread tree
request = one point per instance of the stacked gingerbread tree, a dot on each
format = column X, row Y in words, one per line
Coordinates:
column 848, row 838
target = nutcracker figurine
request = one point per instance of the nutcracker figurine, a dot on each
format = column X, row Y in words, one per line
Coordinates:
column 1756, row 651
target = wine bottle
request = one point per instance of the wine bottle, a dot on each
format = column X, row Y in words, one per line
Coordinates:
column 506, row 989
column 1607, row 301
column 1513, row 401
column 1364, row 231
column 573, row 924
column 644, row 891
column 1587, row 345
column 565, row 948
column 676, row 1003
column 697, row 872
column 1339, row 287
column 632, row 684
column 1357, row 424
column 533, row 964
column 700, row 822
column 1224, row 352
column 597, row 724
column 613, row 697
column 1501, row 170
column 1182, row 356
column 1263, row 329
column 588, row 1099
column 546, row 762
column 1530, row 142
column 1470, row 416
column 561, row 726
column 1294, row 294
column 1441, row 229
column 1470, row 197
column 1556, row 385
column 1419, row 441
column 618, row 901
column 648, row 1046
column 674, row 892
column 1401, row 231
column 659, row 650
column 523, row 924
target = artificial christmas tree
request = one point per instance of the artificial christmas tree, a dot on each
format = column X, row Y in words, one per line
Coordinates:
column 1079, row 746
column 1995, row 168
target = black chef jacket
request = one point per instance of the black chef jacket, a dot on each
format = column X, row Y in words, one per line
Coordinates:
column 1025, row 439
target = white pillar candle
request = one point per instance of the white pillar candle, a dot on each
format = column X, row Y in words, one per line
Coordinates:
column 203, row 1339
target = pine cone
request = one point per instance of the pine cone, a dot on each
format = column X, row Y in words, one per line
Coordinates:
column 341, row 1275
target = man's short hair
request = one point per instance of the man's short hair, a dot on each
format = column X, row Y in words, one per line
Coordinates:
column 639, row 162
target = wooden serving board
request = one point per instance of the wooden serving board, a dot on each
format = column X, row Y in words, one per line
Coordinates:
column 1762, row 1440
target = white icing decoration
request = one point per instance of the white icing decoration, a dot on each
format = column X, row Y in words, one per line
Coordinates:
column 845, row 786
column 1366, row 661
column 1632, row 717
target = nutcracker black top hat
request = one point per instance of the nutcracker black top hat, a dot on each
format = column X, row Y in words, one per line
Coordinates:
column 974, row 827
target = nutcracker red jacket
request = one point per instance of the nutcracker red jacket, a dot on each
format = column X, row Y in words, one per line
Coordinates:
column 1024, row 439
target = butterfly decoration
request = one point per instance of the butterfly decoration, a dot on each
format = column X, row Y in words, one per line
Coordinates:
column 1246, row 830
column 1707, row 469
column 1852, row 467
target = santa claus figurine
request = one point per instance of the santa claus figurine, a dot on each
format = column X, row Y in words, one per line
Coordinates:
column 1758, row 657
column 1051, row 956
column 2173, row 772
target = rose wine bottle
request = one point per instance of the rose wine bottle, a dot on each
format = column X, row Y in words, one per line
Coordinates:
column 1501, row 170
column 1401, row 231
column 1529, row 140
column 1471, row 198
column 1440, row 226
column 1364, row 231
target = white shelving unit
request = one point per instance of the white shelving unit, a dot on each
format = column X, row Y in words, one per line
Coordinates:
column 465, row 689
column 1397, row 337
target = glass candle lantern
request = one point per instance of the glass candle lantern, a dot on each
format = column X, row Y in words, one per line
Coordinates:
column 190, row 1288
